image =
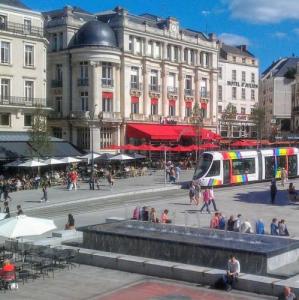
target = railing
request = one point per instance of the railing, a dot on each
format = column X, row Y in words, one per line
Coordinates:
column 22, row 29
column 204, row 94
column 82, row 82
column 189, row 92
column 136, row 86
column 55, row 115
column 110, row 115
column 154, row 88
column 80, row 114
column 56, row 83
column 107, row 83
column 172, row 90
column 138, row 117
column 23, row 101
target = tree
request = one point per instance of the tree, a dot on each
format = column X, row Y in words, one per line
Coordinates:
column 39, row 137
column 290, row 73
column 258, row 118
column 197, row 122
column 228, row 118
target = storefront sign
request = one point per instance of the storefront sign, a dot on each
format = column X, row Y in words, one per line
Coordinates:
column 242, row 84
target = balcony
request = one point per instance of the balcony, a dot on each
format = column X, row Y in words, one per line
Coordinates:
column 136, row 86
column 138, row 117
column 107, row 83
column 83, row 115
column 110, row 116
column 204, row 94
column 23, row 101
column 189, row 92
column 20, row 28
column 154, row 88
column 82, row 82
column 154, row 118
column 56, row 83
column 172, row 90
column 55, row 115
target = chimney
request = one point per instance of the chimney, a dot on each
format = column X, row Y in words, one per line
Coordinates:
column 212, row 36
column 243, row 48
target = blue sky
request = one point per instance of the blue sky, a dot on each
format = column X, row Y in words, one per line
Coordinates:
column 270, row 27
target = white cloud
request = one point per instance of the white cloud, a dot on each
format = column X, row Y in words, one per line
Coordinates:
column 264, row 11
column 233, row 39
column 280, row 35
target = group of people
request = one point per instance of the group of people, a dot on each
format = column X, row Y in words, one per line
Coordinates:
column 206, row 194
column 149, row 214
column 172, row 172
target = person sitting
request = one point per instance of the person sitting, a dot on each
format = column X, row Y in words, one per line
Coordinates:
column 230, row 223
column 246, row 227
column 232, row 273
column 222, row 222
column 287, row 294
column 292, row 193
column 164, row 218
column 153, row 216
column 282, row 228
column 70, row 223
column 274, row 227
column 214, row 224
column 260, row 227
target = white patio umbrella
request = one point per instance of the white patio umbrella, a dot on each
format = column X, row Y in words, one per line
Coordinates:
column 53, row 161
column 2, row 216
column 13, row 164
column 69, row 160
column 22, row 225
column 31, row 164
column 121, row 157
column 89, row 156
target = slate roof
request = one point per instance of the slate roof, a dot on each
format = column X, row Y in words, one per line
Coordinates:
column 14, row 3
column 280, row 67
column 235, row 50
column 19, row 137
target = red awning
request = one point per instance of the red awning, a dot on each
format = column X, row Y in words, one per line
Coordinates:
column 154, row 101
column 188, row 104
column 134, row 99
column 167, row 132
column 203, row 105
column 171, row 102
column 244, row 143
column 107, row 95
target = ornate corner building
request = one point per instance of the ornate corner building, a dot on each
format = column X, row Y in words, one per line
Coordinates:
column 111, row 70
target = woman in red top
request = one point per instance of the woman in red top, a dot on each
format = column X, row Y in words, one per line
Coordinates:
column 7, row 268
column 164, row 217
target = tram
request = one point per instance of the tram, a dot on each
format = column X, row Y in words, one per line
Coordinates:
column 216, row 168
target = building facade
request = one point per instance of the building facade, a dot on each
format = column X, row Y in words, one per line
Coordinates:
column 114, row 69
column 275, row 96
column 23, row 52
column 295, row 104
column 238, row 86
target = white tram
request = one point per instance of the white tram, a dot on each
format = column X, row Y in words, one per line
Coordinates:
column 217, row 168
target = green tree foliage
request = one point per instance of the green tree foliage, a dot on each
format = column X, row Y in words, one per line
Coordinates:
column 228, row 118
column 290, row 73
column 258, row 118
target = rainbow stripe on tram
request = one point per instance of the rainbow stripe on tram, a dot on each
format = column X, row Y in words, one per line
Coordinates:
column 283, row 151
column 214, row 182
column 239, row 179
column 231, row 155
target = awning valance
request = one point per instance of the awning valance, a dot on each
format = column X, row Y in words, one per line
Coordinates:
column 107, row 95
column 134, row 99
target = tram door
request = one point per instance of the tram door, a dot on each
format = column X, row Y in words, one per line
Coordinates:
column 226, row 172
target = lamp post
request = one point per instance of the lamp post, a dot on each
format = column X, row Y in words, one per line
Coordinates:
column 91, row 118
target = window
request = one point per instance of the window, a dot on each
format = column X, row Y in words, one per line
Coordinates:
column 58, row 104
column 84, row 101
column 204, row 59
column 83, row 138
column 234, row 92
column 150, row 48
column 157, row 50
column 57, row 132
column 29, row 93
column 27, row 26
column 27, row 120
column 243, row 93
column 107, row 104
column 5, row 52
column 252, row 78
column 60, row 40
column 29, row 56
column 84, row 70
column 186, row 55
column 234, row 109
column 5, row 89
column 3, row 22
column 215, row 169
column 219, row 109
column 269, row 167
column 171, row 82
column 252, row 110
column 220, row 72
column 243, row 76
column 252, row 94
column 234, row 75
column 106, row 137
column 243, row 60
column 135, row 108
column 252, row 61
column 243, row 110
column 134, row 77
column 4, row 119
column 175, row 53
column 188, row 111
column 107, row 74
column 292, row 165
column 188, row 83
column 243, row 166
column 58, row 72
column 131, row 39
column 138, row 46
column 169, row 56
column 219, row 92
column 192, row 57
column 154, row 80
column 234, row 59
column 55, row 42
column 171, row 110
column 154, row 109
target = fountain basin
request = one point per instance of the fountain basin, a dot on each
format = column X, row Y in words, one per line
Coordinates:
column 258, row 254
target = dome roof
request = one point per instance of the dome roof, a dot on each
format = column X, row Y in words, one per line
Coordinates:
column 94, row 33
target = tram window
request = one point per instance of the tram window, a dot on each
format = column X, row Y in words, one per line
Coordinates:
column 215, row 169
column 281, row 162
column 243, row 166
column 269, row 167
column 204, row 163
column 292, row 165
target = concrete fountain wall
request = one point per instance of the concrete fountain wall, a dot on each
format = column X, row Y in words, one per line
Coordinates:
column 258, row 254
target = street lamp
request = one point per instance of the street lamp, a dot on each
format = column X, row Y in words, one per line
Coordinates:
column 91, row 118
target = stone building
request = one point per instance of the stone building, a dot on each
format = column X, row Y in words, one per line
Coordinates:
column 238, row 85
column 275, row 95
column 113, row 72
column 23, row 52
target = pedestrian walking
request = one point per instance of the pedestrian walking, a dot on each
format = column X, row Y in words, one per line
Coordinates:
column 192, row 193
column 110, row 179
column 177, row 173
column 212, row 198
column 273, row 190
column 206, row 201
column 45, row 193
column 19, row 210
column 284, row 176
column 197, row 193
column 6, row 210
column 6, row 191
column 91, row 182
column 1, row 189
